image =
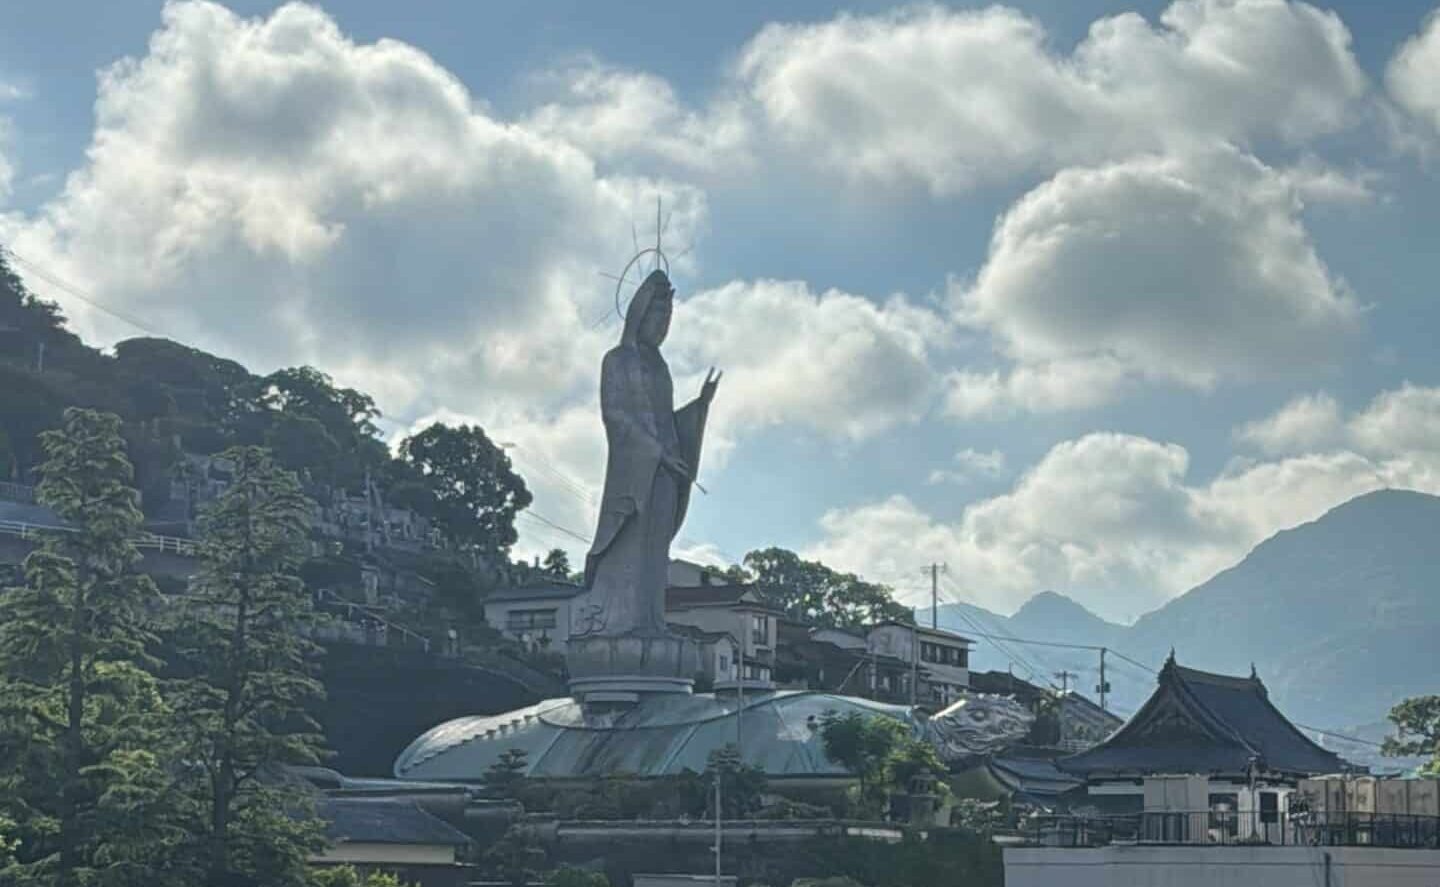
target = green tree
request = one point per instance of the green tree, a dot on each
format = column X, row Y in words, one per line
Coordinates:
column 347, row 876
column 516, row 858
column 1417, row 732
column 504, row 778
column 866, row 746
column 247, row 687
column 477, row 493
column 814, row 593
column 570, row 876
column 557, row 563
column 81, row 762
column 210, row 401
column 741, row 784
column 910, row 758
column 344, row 434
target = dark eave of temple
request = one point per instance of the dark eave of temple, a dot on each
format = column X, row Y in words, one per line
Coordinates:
column 1200, row 722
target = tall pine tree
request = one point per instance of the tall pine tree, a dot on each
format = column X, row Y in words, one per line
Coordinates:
column 247, row 684
column 81, row 762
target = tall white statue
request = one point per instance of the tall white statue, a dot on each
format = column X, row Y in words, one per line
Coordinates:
column 653, row 453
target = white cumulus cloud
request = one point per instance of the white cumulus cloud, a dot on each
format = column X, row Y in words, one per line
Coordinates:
column 1117, row 522
column 1191, row 269
column 951, row 98
column 1304, row 424
column 1412, row 79
column 968, row 464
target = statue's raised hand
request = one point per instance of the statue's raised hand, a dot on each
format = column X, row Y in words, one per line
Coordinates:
column 677, row 465
column 712, row 381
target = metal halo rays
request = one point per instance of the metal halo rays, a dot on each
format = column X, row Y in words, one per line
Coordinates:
column 660, row 259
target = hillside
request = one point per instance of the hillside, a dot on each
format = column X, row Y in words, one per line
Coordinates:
column 1338, row 616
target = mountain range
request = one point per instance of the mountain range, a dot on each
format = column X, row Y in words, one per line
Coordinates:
column 1340, row 618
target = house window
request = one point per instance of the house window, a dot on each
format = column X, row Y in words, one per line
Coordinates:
column 756, row 672
column 724, row 664
column 529, row 620
column 760, row 630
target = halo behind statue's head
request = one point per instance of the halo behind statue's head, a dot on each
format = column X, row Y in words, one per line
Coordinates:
column 661, row 263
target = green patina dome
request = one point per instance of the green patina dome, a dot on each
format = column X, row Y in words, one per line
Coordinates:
column 664, row 735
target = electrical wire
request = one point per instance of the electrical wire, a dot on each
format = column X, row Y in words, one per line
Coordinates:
column 70, row 289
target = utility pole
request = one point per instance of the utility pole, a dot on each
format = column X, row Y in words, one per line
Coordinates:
column 935, row 571
column 1104, row 687
column 914, row 657
column 740, row 697
column 1065, row 677
column 717, row 826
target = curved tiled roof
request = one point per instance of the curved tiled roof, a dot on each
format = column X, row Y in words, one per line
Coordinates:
column 1200, row 722
column 663, row 736
column 384, row 821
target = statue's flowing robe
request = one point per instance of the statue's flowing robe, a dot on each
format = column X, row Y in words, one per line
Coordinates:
column 644, row 502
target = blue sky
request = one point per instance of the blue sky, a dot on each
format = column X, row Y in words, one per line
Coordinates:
column 1073, row 295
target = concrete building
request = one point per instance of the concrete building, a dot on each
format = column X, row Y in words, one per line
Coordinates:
column 538, row 614
column 839, row 661
column 688, row 574
column 719, row 654
column 943, row 658
column 734, row 610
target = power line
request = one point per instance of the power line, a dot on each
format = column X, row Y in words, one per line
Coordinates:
column 549, row 523
column 1025, row 663
column 567, row 483
column 1113, row 652
column 70, row 289
column 1333, row 734
column 1034, row 673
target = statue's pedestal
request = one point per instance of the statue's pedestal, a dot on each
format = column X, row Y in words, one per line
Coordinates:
column 621, row 670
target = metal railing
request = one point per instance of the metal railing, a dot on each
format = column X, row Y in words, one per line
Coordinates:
column 145, row 541
column 1230, row 828
column 13, row 492
column 364, row 624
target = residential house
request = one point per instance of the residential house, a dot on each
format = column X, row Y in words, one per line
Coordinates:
column 735, row 610
column 942, row 661
column 719, row 654
column 390, row 834
column 839, row 661
column 687, row 574
column 538, row 614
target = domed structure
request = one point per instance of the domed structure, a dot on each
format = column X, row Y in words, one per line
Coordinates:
column 663, row 735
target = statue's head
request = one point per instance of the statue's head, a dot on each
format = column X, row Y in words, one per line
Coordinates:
column 648, row 320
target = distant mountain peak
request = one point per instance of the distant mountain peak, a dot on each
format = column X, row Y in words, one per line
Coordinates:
column 1048, row 605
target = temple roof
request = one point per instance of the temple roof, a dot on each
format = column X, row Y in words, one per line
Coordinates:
column 663, row 736
column 384, row 821
column 1199, row 722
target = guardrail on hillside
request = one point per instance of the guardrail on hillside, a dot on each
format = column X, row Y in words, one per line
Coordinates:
column 145, row 541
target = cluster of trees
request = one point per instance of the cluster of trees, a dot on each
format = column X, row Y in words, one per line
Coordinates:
column 173, row 399
column 814, row 593
column 138, row 736
column 1417, row 732
column 882, row 753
